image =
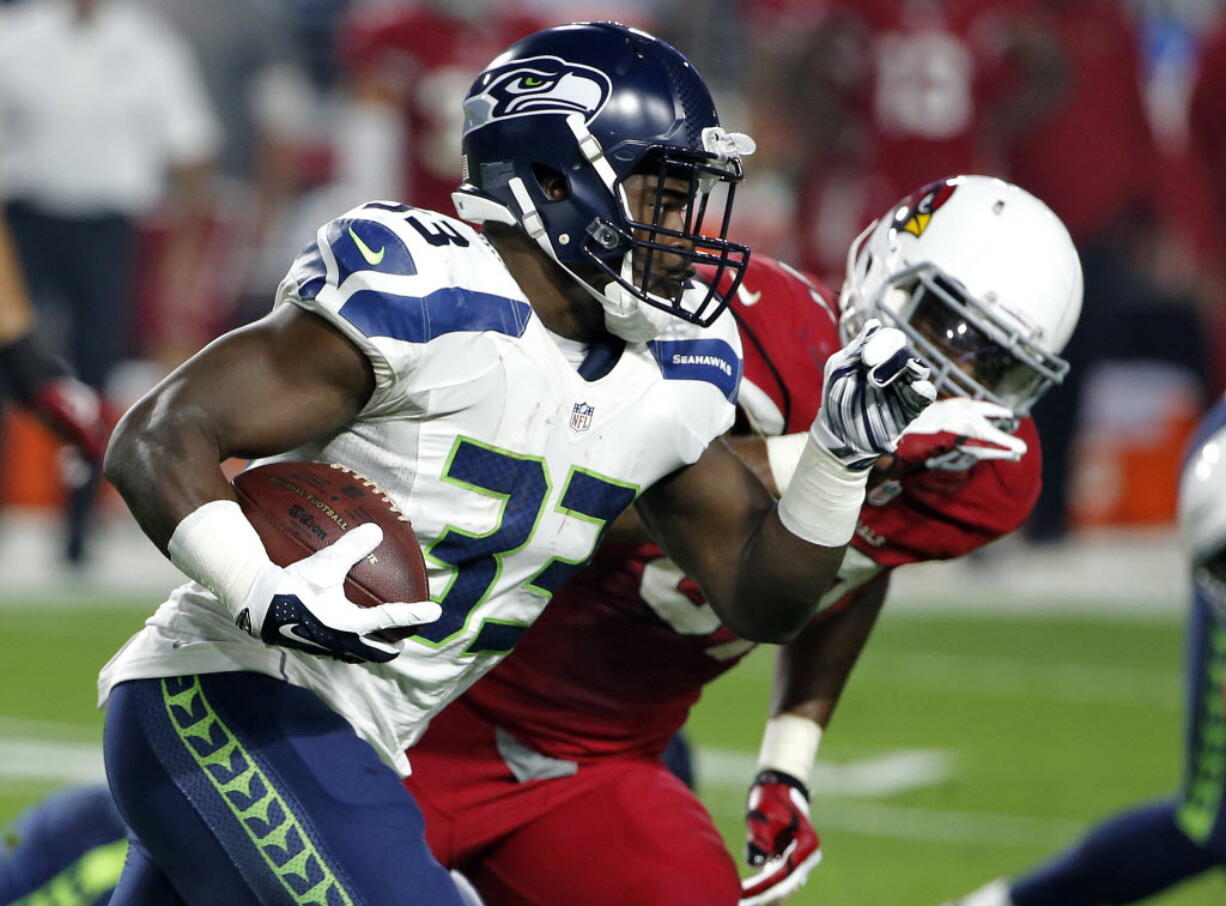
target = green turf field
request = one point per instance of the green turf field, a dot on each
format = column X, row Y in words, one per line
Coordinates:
column 966, row 747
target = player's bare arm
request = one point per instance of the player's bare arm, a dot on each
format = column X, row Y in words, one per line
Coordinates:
column 275, row 384
column 812, row 670
column 764, row 567
column 282, row 382
column 721, row 526
column 811, row 673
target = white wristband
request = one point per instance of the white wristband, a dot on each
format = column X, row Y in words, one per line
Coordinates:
column 783, row 453
column 823, row 500
column 219, row 548
column 789, row 744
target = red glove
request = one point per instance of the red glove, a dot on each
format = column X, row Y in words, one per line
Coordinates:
column 781, row 839
column 74, row 412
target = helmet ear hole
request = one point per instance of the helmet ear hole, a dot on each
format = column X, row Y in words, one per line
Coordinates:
column 553, row 184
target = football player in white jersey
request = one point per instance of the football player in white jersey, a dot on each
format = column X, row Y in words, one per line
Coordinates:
column 512, row 392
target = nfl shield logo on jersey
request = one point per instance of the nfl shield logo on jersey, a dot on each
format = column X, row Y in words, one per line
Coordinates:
column 581, row 417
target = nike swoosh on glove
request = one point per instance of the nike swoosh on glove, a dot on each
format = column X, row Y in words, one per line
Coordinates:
column 874, row 387
column 781, row 839
column 304, row 607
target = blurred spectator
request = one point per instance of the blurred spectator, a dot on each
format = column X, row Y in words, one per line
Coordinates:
column 410, row 66
column 254, row 73
column 638, row 13
column 1207, row 131
column 878, row 97
column 1089, row 152
column 101, row 112
column 1207, row 142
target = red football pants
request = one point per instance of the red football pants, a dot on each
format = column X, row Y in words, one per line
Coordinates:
column 619, row 831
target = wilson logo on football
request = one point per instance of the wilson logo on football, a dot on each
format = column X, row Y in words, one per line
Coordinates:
column 914, row 216
column 539, row 85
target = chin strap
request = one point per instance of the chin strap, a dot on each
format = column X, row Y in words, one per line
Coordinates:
column 626, row 315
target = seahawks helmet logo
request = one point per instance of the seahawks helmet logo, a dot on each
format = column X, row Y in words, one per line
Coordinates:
column 538, row 85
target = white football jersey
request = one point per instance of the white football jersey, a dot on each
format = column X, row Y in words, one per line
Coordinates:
column 507, row 459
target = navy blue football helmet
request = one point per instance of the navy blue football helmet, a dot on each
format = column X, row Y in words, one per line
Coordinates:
column 596, row 103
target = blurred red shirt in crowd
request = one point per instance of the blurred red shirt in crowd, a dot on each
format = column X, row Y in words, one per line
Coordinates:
column 1090, row 154
column 423, row 58
column 895, row 93
column 1207, row 132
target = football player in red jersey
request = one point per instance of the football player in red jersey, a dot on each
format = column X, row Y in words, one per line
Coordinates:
column 557, row 751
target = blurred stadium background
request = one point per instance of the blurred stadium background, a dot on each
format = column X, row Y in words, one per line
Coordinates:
column 1006, row 701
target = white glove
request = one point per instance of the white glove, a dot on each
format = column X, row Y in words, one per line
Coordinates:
column 874, row 387
column 975, row 437
column 303, row 606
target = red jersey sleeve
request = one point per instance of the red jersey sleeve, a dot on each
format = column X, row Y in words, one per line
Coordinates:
column 370, row 35
column 935, row 515
column 777, row 308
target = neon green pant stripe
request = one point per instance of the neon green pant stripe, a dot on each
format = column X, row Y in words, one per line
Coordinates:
column 270, row 823
column 85, row 880
column 1206, row 783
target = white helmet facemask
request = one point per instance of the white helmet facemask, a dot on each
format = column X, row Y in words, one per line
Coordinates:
column 982, row 278
column 973, row 351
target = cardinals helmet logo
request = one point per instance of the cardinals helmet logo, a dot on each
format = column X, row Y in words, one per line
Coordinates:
column 914, row 215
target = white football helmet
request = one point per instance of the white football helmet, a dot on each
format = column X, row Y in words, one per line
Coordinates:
column 1202, row 500
column 984, row 280
column 1202, row 518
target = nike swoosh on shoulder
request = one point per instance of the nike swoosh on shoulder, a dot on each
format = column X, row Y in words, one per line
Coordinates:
column 374, row 259
column 747, row 298
column 287, row 631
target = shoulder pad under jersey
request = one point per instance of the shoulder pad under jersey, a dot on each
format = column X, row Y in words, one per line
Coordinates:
column 393, row 278
column 702, row 370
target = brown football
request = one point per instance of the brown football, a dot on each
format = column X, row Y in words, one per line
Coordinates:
column 299, row 507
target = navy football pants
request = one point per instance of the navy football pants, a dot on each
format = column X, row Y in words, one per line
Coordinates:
column 67, row 850
column 243, row 789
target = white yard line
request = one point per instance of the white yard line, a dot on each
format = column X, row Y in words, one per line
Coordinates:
column 40, row 759
column 881, row 775
column 26, row 761
column 836, row 787
column 973, row 828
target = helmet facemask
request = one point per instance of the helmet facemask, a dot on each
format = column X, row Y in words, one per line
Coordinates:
column 972, row 349
column 649, row 257
column 1210, row 578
